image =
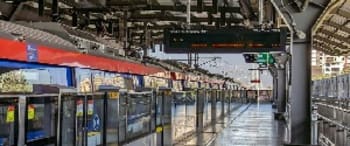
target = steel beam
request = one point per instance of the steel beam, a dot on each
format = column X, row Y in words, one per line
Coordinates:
column 334, row 35
column 199, row 6
column 41, row 7
column 338, row 26
column 341, row 12
column 142, row 18
column 181, row 8
column 54, row 8
column 214, row 9
column 328, row 41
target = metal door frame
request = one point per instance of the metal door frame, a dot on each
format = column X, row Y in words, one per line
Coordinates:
column 44, row 141
column 16, row 120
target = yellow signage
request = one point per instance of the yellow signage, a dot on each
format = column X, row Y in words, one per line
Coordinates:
column 31, row 112
column 159, row 129
column 113, row 95
column 10, row 116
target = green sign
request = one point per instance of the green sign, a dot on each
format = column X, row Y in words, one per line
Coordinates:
column 265, row 58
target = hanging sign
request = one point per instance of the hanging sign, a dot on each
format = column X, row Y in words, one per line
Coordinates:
column 80, row 108
column 31, row 112
column 10, row 115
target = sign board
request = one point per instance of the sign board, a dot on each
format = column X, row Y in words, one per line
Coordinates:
column 224, row 41
column 265, row 58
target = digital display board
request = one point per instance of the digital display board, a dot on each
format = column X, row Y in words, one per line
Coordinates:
column 224, row 41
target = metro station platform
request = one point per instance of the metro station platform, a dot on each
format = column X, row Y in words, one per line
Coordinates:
column 247, row 125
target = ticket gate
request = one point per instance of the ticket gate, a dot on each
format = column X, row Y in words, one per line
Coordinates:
column 8, row 120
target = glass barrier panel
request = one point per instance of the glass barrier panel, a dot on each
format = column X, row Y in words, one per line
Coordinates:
column 112, row 120
column 8, row 121
column 41, row 120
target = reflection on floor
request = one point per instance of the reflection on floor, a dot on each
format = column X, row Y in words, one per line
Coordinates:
column 255, row 126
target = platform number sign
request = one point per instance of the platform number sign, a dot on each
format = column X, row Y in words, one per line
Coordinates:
column 32, row 53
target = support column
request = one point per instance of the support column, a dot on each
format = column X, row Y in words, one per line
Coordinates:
column 300, row 23
column 281, row 90
column 300, row 99
column 274, row 90
column 213, row 106
column 200, row 110
column 222, row 98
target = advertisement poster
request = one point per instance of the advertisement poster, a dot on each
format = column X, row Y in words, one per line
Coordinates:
column 80, row 108
column 10, row 115
column 98, row 79
column 90, row 107
column 31, row 112
column 177, row 85
column 83, row 80
column 149, row 82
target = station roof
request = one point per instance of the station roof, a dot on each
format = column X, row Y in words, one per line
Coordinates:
column 332, row 30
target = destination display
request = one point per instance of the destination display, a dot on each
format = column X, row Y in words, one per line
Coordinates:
column 224, row 41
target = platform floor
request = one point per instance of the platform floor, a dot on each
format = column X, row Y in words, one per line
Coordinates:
column 253, row 126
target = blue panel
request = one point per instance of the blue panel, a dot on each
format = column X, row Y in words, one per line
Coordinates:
column 20, row 65
column 126, row 76
column 141, row 81
column 69, row 75
column 32, row 53
column 170, row 83
column 33, row 135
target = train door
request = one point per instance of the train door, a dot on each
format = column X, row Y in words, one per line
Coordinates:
column 82, row 120
column 41, row 120
column 8, row 121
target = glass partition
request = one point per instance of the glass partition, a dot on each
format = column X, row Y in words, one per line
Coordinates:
column 41, row 120
column 8, row 121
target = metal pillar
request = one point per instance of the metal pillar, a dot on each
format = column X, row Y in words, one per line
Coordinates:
column 222, row 98
column 213, row 105
column 300, row 26
column 300, row 98
column 200, row 110
column 54, row 8
column 275, row 91
column 281, row 90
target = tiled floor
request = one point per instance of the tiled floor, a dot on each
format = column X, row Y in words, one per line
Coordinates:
column 255, row 126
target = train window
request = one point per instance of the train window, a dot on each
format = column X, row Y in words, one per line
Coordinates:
column 41, row 118
column 8, row 121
